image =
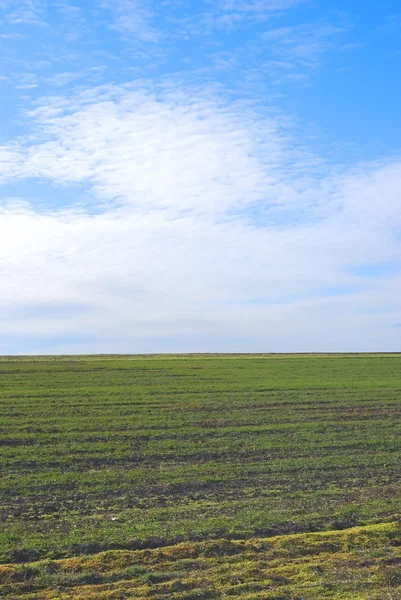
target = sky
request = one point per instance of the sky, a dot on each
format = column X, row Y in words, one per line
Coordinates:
column 200, row 176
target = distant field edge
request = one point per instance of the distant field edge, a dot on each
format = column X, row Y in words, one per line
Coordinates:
column 200, row 355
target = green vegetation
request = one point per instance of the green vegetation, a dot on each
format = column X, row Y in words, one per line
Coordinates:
column 187, row 477
column 362, row 562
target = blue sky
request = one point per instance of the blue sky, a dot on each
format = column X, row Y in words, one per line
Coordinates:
column 200, row 176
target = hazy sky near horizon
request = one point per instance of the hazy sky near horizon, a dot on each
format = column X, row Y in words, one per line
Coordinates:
column 200, row 176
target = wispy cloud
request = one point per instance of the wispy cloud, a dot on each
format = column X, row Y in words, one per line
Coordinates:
column 303, row 44
column 392, row 24
column 257, row 6
column 26, row 81
column 282, row 55
column 133, row 19
column 22, row 11
column 231, row 14
column 69, row 78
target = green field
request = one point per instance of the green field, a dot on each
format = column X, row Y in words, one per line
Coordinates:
column 200, row 477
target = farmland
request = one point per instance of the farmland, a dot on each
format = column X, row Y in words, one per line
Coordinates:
column 200, row 476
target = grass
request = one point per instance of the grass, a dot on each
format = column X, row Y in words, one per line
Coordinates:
column 123, row 458
column 361, row 562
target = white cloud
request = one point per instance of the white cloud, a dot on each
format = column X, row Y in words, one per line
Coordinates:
column 215, row 231
column 161, row 149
